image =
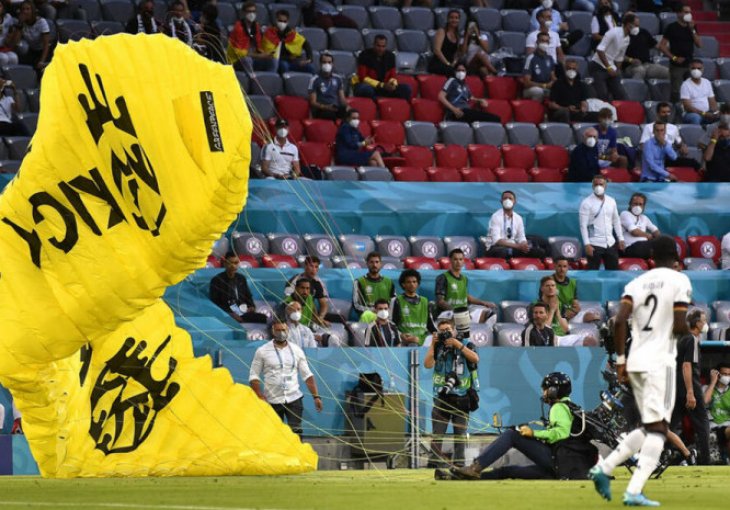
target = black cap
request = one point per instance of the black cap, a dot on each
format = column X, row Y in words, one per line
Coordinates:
column 281, row 123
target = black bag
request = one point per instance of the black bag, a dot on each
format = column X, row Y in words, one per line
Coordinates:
column 370, row 383
column 573, row 457
column 473, row 399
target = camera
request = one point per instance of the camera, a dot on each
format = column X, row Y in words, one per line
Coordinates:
column 451, row 381
column 444, row 335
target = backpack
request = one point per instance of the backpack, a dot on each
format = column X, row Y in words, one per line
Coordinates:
column 574, row 456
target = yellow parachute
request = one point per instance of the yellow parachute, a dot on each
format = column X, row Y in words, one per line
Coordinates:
column 139, row 162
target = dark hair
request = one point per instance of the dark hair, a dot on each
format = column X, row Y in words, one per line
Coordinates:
column 326, row 53
column 637, row 195
column 679, row 7
column 723, row 364
column 349, row 112
column 373, row 255
column 725, row 108
column 697, row 61
column 407, row 274
column 510, row 192
column 278, row 320
column 312, row 259
column 303, row 279
column 176, row 3
column 455, row 251
column 210, row 12
column 598, row 177
column 661, row 105
column 452, row 11
column 605, row 112
column 381, row 301
column 693, row 318
column 542, row 282
column 543, row 34
column 282, row 12
column 248, row 4
column 560, row 259
column 664, row 250
column 659, row 123
column 629, row 18
column 380, row 37
column 540, row 304
column 230, row 254
column 445, row 320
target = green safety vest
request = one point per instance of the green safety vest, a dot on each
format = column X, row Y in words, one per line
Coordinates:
column 413, row 318
column 308, row 310
column 371, row 290
column 566, row 294
column 720, row 406
column 456, row 292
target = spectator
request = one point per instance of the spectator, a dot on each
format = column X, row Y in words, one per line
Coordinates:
column 717, row 400
column 506, row 233
column 656, row 151
column 177, row 26
column 452, row 291
column 210, row 39
column 704, row 141
column 607, row 145
column 327, row 91
column 446, row 48
column 37, row 35
column 664, row 114
column 372, row 286
column 537, row 333
column 410, row 311
column 324, row 15
column 539, row 74
column 657, row 6
column 9, row 125
column 638, row 228
column 568, row 294
column 717, row 155
column 281, row 361
column 678, row 44
column 584, row 163
column 568, row 98
column 604, row 66
column 280, row 157
column 376, row 73
column 549, row 295
column 555, row 50
column 144, row 22
column 350, row 144
column 637, row 62
column 299, row 334
column 557, row 24
column 318, row 291
column 455, row 96
column 245, row 44
column 306, row 290
column 604, row 19
column 689, row 401
column 382, row 332
column 698, row 98
column 229, row 290
column 292, row 50
column 726, row 251
column 477, row 52
column 9, row 35
column 598, row 221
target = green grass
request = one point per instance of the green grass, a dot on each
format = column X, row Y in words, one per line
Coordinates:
column 686, row 488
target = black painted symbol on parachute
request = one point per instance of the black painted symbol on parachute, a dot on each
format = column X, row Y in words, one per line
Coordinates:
column 85, row 355
column 126, row 398
column 129, row 163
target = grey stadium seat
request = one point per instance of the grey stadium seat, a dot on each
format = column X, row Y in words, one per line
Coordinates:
column 348, row 262
column 710, row 48
column 356, row 13
column 261, row 105
column 508, row 334
column 417, row 18
column 709, row 68
column 73, row 30
column 266, row 84
column 722, row 90
column 29, row 120
column 459, row 133
column 649, row 22
column 631, row 130
column 17, row 146
column 316, row 37
column 4, row 153
column 488, row 19
column 523, row 133
column 467, row 244
column 256, row 331
column 426, row 246
column 513, row 40
column 357, row 339
column 262, row 15
column 250, row 243
column 489, row 133
column 585, row 328
column 593, row 306
column 340, row 308
column 636, row 90
column 387, row 18
column 90, row 9
column 722, row 311
column 409, row 62
column 363, row 3
column 285, row 244
column 345, row 39
column 226, row 13
column 515, row 20
column 297, row 84
column 556, row 133
column 424, row 134
column 691, row 133
column 723, row 65
column 393, row 246
column 660, row 90
column 294, row 13
column 515, row 311
column 579, row 20
column 345, row 62
column 221, row 247
column 117, row 10
column 265, row 308
column 321, row 245
column 612, row 308
column 562, row 246
column 481, row 335
column 374, row 173
column 392, row 263
column 698, row 264
column 412, row 40
column 103, row 27
column 719, row 331
column 323, row 261
column 9, row 166
column 32, row 99
column 354, row 245
column 340, row 173
column 368, row 37
column 442, row 14
column 23, row 76
column 243, row 80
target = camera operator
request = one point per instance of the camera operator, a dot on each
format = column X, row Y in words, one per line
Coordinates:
column 453, row 361
column 8, row 109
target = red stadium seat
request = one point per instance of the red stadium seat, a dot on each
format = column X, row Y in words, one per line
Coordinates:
column 365, row 106
column 407, row 79
column 552, row 156
column 443, row 174
column 518, row 156
column 260, row 133
column 490, row 263
column 391, row 108
column 527, row 110
column 706, row 247
column 279, row 261
column 427, row 110
column 393, row 161
column 684, row 174
column 630, row 112
column 409, row 173
column 486, row 156
column 539, row 174
column 617, row 175
column 476, row 85
column 477, row 174
column 319, row 130
column 682, row 249
column 420, row 263
column 501, row 108
column 292, row 107
column 511, row 175
column 501, row 87
column 296, row 130
column 314, row 153
column 365, row 129
column 430, row 85
column 417, row 156
column 388, row 134
column 248, row 261
column 632, row 264
column 526, row 264
column 452, row 156
column 445, row 263
column 213, row 261
column 549, row 263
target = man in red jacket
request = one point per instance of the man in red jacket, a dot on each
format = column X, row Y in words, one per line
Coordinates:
column 376, row 73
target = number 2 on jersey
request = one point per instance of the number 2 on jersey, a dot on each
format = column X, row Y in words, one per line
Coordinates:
column 651, row 298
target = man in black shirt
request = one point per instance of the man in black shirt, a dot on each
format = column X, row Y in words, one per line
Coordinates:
column 568, row 98
column 229, row 290
column 717, row 155
column 637, row 62
column 678, row 44
column 537, row 333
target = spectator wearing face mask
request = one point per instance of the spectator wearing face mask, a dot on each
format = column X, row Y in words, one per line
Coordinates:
column 609, row 55
column 299, row 334
column 327, row 91
column 557, row 24
column 290, row 48
column 280, row 157
column 382, row 332
column 351, row 144
column 539, row 74
column 506, row 232
column 554, row 49
column 717, row 155
column 638, row 228
column 244, row 44
column 704, row 141
column 600, row 227
column 664, row 114
column 678, row 45
column 653, row 158
column 638, row 64
column 604, row 19
column 717, row 401
column 584, row 159
column 608, row 155
column 698, row 97
column 568, row 98
column 456, row 96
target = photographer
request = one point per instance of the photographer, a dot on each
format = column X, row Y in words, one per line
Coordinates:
column 8, row 109
column 454, row 363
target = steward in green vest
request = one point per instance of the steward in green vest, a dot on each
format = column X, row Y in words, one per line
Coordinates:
column 302, row 294
column 452, row 288
column 372, row 286
column 410, row 311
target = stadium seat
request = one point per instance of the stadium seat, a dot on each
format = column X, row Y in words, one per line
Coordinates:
column 630, row 112
column 369, row 34
column 649, row 22
column 266, row 84
column 513, row 40
column 261, row 106
column 527, row 110
column 722, row 311
column 476, row 85
column 723, row 67
column 319, row 130
column 579, row 20
column 552, row 156
column 354, row 245
column 710, row 48
column 660, row 90
column 345, row 39
column 699, row 264
column 481, row 335
column 387, row 18
column 489, row 133
column 488, row 19
column 421, row 263
column 511, row 175
column 491, row 264
column 722, row 90
column 292, row 107
column 500, row 107
column 467, row 244
column 315, row 36
column 518, row 156
column 427, row 110
column 445, row 263
column 417, row 156
column 221, row 246
column 477, row 174
column 522, row 133
column 348, row 262
column 501, row 87
column 392, row 263
column 388, row 133
column 227, row 14
column 424, row 134
column 249, row 243
column 556, row 133
column 393, row 109
column 539, row 174
column 321, row 245
column 365, row 106
column 90, row 10
column 297, row 84
column 17, row 146
column 485, row 156
column 427, row 246
column 117, row 10
column 28, row 120
column 562, row 246
column 410, row 174
column 707, row 247
column 24, row 77
column 279, row 261
column 340, row 173
column 248, row 262
column 357, row 13
column 430, row 85
column 682, row 248
column 409, row 80
column 345, row 62
column 285, row 244
column 684, row 174
column 375, row 173
column 515, row 20
column 410, row 62
column 417, row 18
column 393, row 246
column 323, row 261
column 632, row 264
column 443, row 174
column 293, row 10
column 636, row 90
column 629, row 130
column 459, row 133
column 314, row 153
column 515, row 311
column 452, row 156
column 526, row 264
column 508, row 334
column 73, row 30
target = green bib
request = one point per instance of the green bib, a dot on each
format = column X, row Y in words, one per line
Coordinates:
column 456, row 290
column 371, row 291
column 720, row 406
column 413, row 318
column 566, row 294
column 308, row 310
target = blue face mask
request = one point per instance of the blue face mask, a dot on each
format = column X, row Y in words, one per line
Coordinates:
column 724, row 143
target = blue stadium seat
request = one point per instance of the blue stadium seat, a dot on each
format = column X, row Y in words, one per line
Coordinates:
column 579, row 20
column 356, row 13
column 23, row 76
column 488, row 19
column 508, row 334
column 691, row 133
column 73, row 30
column 513, row 40
column 636, row 90
column 262, row 15
column 523, row 133
column 459, row 133
column 294, row 12
column 395, row 247
column 515, row 20
column 426, row 246
column 266, row 84
column 117, row 10
column 340, row 173
column 709, row 68
column 262, row 105
column 489, row 133
column 90, row 10
column 723, row 65
column 710, row 47
column 424, row 134
column 649, row 22
column 354, row 245
column 316, row 37
column 412, row 40
column 249, row 243
column 345, row 39
column 417, row 18
column 556, row 133
column 722, row 90
column 660, row 90
column 368, row 37
column 226, row 14
column 386, row 18
column 17, row 146
column 29, row 120
column 297, row 84
column 581, row 48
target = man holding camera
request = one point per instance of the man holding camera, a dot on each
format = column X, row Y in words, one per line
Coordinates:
column 8, row 109
column 454, row 362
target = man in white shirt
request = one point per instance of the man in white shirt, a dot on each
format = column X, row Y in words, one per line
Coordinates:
column 599, row 220
column 664, row 114
column 280, row 158
column 657, row 303
column 554, row 48
column 725, row 251
column 506, row 234
column 604, row 67
column 299, row 334
column 638, row 228
column 8, row 108
column 698, row 98
column 281, row 362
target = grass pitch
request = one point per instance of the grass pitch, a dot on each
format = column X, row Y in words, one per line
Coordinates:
column 686, row 488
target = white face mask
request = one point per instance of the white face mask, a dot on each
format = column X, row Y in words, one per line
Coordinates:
column 295, row 316
column 636, row 210
column 282, row 132
column 280, row 336
column 634, row 31
column 250, row 17
column 547, row 23
column 507, row 203
column 355, row 122
column 696, row 73
column 383, row 314
column 687, row 17
column 326, row 68
column 544, row 46
column 725, row 119
column 599, row 190
column 571, row 74
column 547, row 4
column 705, row 328
column 179, row 19
column 460, row 75
column 725, row 379
column 281, row 25
column 591, row 141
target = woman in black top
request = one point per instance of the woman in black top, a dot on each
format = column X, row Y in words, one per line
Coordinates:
column 446, row 50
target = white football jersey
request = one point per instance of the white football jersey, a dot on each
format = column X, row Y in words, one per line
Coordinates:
column 654, row 295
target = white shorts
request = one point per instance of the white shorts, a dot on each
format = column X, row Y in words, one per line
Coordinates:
column 654, row 393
